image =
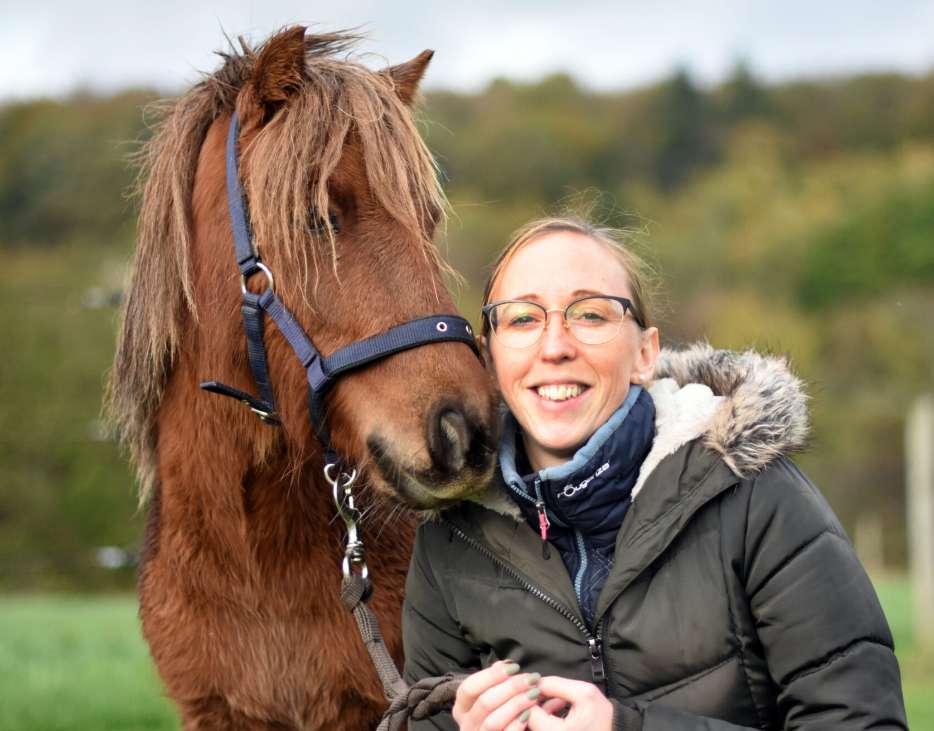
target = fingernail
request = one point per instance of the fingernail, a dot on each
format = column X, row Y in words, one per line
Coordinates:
column 511, row 668
column 533, row 678
column 524, row 716
column 533, row 694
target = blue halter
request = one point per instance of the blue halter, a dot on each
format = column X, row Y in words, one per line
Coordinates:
column 322, row 371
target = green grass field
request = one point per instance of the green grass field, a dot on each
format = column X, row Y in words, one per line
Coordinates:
column 80, row 664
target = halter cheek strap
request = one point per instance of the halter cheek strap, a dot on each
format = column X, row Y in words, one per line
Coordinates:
column 321, row 371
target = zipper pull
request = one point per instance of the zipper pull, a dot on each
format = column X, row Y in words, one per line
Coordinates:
column 543, row 525
column 597, row 669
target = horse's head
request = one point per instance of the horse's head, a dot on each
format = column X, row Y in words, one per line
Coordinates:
column 343, row 202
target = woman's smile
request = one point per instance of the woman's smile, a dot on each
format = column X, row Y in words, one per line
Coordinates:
column 561, row 392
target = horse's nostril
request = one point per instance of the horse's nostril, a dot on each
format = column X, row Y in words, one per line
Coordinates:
column 449, row 440
column 454, row 426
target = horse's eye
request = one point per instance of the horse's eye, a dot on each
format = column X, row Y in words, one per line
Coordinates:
column 316, row 222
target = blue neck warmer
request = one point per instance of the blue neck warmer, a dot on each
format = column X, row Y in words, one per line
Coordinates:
column 579, row 506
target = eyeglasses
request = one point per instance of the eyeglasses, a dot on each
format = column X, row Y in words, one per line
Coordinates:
column 592, row 320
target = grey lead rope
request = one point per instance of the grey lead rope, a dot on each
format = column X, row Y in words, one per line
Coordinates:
column 422, row 700
column 419, row 701
column 429, row 695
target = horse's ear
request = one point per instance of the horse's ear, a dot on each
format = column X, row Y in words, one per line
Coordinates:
column 279, row 70
column 406, row 75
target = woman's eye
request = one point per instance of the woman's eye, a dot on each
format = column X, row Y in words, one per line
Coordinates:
column 520, row 320
column 590, row 316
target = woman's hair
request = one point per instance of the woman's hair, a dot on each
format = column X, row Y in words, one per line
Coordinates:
column 641, row 279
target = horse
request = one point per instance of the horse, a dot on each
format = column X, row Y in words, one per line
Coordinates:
column 239, row 573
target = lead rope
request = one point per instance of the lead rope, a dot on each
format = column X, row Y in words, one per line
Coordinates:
column 426, row 697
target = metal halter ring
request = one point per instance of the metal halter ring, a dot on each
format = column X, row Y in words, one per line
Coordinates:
column 264, row 269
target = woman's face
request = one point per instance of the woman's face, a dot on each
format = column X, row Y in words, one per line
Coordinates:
column 553, row 270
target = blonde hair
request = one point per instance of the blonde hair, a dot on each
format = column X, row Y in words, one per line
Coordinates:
column 641, row 277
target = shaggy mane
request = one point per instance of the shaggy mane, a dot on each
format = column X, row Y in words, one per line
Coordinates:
column 291, row 160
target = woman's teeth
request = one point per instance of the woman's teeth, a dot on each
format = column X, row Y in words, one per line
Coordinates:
column 560, row 393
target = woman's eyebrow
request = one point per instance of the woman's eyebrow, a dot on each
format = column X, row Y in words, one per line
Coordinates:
column 522, row 297
column 532, row 297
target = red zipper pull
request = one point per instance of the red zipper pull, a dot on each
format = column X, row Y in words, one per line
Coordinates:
column 543, row 525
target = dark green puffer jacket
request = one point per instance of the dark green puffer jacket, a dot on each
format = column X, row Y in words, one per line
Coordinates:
column 735, row 599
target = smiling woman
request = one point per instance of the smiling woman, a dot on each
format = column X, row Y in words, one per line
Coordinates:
column 699, row 579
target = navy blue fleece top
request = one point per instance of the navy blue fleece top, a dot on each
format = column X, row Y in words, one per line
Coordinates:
column 586, row 498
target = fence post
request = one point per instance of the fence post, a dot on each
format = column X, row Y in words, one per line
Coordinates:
column 919, row 443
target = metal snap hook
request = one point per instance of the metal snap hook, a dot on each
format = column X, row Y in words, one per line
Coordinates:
column 344, row 500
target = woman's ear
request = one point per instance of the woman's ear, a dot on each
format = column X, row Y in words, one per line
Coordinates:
column 644, row 366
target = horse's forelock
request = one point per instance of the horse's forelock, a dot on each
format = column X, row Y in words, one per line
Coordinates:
column 293, row 158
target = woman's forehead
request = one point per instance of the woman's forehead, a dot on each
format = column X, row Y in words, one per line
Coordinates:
column 561, row 265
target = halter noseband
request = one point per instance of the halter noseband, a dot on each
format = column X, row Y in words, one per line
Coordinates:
column 322, row 371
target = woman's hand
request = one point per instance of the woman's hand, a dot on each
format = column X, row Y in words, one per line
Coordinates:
column 589, row 708
column 495, row 699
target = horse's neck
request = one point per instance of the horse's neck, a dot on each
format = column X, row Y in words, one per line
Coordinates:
column 236, row 492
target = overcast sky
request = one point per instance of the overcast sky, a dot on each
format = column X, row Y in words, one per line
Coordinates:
column 52, row 47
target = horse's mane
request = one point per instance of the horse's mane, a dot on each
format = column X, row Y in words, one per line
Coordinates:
column 295, row 153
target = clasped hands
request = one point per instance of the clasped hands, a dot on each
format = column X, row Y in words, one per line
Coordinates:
column 501, row 698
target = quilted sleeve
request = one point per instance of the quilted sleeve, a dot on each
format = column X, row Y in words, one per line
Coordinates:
column 826, row 640
column 431, row 637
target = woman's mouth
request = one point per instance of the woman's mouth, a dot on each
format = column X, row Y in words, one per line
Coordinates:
column 560, row 391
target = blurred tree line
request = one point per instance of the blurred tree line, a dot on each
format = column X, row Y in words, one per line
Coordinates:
column 797, row 218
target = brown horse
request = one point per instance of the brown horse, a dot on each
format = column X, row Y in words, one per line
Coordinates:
column 240, row 576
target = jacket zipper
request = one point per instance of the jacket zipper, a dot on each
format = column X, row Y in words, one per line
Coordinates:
column 543, row 523
column 594, row 639
column 582, row 566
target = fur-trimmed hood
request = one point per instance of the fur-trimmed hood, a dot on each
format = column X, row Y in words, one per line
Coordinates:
column 763, row 414
column 748, row 407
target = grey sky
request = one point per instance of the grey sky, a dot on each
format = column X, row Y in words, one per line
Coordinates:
column 52, row 46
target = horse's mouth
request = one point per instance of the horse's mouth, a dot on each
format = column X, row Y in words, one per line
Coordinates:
column 421, row 489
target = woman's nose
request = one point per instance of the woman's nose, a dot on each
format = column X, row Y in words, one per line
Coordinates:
column 557, row 341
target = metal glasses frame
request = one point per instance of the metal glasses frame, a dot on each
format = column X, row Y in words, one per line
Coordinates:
column 628, row 307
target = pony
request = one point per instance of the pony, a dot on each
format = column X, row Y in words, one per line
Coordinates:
column 239, row 573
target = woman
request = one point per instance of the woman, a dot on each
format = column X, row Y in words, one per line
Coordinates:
column 647, row 546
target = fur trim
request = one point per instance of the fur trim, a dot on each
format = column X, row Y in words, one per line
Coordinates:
column 495, row 498
column 682, row 414
column 764, row 414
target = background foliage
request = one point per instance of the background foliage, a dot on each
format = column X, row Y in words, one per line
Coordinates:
column 797, row 218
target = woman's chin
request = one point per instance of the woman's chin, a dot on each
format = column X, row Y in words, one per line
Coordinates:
column 559, row 447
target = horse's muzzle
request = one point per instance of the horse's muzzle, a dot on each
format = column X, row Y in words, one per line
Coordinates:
column 461, row 451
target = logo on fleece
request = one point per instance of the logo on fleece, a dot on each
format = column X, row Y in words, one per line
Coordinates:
column 571, row 490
